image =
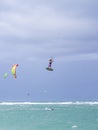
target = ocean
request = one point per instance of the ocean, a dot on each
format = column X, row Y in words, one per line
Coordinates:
column 49, row 116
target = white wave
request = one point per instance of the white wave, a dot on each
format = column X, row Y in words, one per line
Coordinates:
column 74, row 126
column 50, row 103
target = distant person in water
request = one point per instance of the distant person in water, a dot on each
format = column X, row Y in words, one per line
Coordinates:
column 50, row 62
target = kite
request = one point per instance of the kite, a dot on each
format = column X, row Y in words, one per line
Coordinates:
column 5, row 75
column 13, row 70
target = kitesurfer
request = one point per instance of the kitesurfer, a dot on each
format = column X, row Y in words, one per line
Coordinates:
column 50, row 62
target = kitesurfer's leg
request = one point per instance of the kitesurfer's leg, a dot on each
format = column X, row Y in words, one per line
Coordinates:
column 49, row 66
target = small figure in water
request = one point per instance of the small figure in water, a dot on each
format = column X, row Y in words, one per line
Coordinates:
column 50, row 62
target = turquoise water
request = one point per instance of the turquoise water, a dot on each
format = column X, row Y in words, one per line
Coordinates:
column 51, row 116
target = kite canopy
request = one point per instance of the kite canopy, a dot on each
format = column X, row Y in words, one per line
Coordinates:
column 13, row 70
column 5, row 75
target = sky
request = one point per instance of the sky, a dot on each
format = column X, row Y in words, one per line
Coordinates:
column 32, row 32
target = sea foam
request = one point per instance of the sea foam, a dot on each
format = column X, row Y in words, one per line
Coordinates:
column 50, row 103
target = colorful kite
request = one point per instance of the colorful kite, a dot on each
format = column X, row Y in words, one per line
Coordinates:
column 5, row 75
column 13, row 70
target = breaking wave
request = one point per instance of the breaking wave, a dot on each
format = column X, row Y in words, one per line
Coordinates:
column 50, row 103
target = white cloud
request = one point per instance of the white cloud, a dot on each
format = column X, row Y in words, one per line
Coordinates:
column 78, row 57
column 41, row 21
column 30, row 29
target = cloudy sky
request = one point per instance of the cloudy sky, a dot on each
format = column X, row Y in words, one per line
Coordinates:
column 33, row 31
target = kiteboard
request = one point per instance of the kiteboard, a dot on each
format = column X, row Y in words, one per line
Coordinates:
column 50, row 69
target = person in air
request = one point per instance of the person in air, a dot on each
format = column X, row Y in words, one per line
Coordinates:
column 50, row 62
